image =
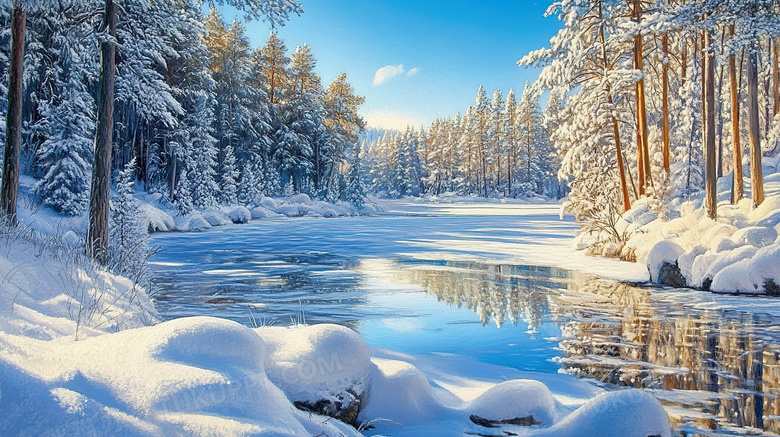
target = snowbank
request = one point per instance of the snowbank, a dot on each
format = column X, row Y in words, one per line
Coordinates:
column 737, row 252
column 159, row 215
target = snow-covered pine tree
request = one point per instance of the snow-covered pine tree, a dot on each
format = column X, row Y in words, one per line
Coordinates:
column 128, row 248
column 65, row 157
column 228, row 183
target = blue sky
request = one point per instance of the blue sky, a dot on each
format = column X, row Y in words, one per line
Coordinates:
column 447, row 50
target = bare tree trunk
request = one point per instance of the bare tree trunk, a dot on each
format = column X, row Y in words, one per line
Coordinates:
column 711, row 199
column 97, row 232
column 643, row 147
column 739, row 188
column 619, row 156
column 776, row 75
column 665, row 91
column 13, row 123
column 756, row 171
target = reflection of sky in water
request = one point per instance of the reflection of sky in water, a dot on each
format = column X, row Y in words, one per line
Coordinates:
column 386, row 301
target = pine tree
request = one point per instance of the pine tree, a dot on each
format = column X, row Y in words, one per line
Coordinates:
column 128, row 248
column 65, row 157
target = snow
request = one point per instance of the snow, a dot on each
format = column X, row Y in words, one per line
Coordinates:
column 734, row 253
column 239, row 215
column 317, row 362
column 516, row 398
column 628, row 413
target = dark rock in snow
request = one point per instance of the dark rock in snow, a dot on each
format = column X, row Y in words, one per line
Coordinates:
column 518, row 421
column 345, row 409
column 771, row 288
column 670, row 274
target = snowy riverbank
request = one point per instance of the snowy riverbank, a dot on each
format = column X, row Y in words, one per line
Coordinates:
column 62, row 373
column 739, row 252
column 159, row 215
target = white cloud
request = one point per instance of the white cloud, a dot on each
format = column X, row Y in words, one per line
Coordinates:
column 390, row 120
column 387, row 72
column 412, row 71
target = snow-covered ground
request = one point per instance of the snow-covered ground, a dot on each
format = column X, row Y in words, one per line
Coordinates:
column 739, row 252
column 66, row 370
column 160, row 216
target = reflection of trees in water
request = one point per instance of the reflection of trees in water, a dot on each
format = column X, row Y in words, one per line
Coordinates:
column 497, row 293
column 724, row 363
column 628, row 336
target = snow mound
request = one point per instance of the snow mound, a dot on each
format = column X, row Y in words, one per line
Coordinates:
column 190, row 376
column 626, row 413
column 401, row 393
column 327, row 363
column 261, row 212
column 291, row 210
column 216, row 218
column 192, row 223
column 663, row 252
column 156, row 219
column 240, row 215
column 300, row 198
column 751, row 275
column 513, row 399
column 755, row 236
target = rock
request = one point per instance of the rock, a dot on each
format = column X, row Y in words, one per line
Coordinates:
column 663, row 252
column 670, row 274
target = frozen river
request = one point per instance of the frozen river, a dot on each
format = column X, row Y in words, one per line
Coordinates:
column 498, row 284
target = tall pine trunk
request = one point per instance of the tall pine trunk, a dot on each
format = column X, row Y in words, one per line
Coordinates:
column 13, row 124
column 619, row 157
column 711, row 199
column 665, row 98
column 739, row 188
column 97, row 231
column 756, row 171
column 643, row 153
column 776, row 74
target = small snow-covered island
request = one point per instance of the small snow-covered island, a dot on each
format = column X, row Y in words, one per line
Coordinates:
column 237, row 218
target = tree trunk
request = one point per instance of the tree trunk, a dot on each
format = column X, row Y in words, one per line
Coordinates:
column 776, row 75
column 643, row 149
column 711, row 199
column 619, row 156
column 665, row 91
column 756, row 171
column 13, row 124
column 97, row 232
column 739, row 188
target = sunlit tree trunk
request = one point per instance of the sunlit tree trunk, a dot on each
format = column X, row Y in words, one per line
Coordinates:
column 97, row 231
column 665, row 98
column 756, row 172
column 13, row 123
column 643, row 155
column 739, row 188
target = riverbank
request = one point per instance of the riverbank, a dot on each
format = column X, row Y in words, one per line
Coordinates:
column 738, row 252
